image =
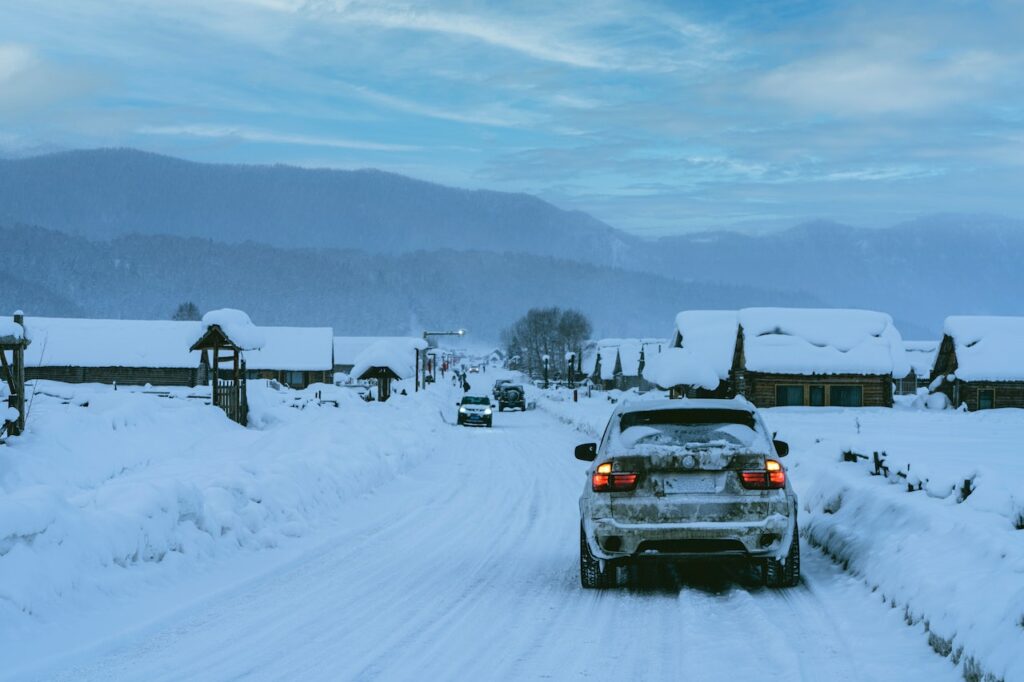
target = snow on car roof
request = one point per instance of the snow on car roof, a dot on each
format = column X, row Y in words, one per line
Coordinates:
column 737, row 403
column 987, row 347
column 821, row 341
column 711, row 334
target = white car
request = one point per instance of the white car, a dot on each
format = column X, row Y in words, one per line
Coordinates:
column 676, row 480
column 476, row 410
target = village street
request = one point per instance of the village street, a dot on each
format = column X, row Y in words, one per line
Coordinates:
column 465, row 567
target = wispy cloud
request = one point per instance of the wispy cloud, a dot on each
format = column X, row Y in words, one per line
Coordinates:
column 271, row 137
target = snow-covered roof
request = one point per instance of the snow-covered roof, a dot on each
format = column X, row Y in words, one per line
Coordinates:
column 711, row 334
column 680, row 367
column 293, row 348
column 921, row 356
column 628, row 351
column 987, row 347
column 236, row 325
column 821, row 341
column 348, row 348
column 397, row 354
column 77, row 342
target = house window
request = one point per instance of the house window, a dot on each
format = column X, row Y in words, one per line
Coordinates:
column 293, row 378
column 816, row 396
column 846, row 396
column 986, row 398
column 788, row 395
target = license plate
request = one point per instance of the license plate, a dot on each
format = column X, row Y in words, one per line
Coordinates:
column 690, row 483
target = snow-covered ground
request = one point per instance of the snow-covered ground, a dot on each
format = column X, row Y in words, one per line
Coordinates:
column 952, row 564
column 146, row 537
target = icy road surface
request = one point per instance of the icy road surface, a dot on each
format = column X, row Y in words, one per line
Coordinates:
column 466, row 568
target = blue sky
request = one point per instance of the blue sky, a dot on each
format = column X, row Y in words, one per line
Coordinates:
column 656, row 117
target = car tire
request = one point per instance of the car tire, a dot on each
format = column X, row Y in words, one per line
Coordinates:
column 490, row 423
column 501, row 407
column 784, row 573
column 591, row 575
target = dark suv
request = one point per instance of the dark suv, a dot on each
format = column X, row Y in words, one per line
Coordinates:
column 511, row 397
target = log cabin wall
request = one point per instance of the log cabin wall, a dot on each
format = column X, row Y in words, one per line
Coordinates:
column 126, row 376
column 761, row 388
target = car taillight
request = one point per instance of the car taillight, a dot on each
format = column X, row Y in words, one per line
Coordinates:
column 605, row 480
column 772, row 477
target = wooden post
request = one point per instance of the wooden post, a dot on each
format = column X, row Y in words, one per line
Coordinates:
column 216, row 372
column 417, row 369
column 19, row 378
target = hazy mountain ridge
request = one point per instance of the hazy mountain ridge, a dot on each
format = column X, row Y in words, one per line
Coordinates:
column 356, row 292
column 920, row 271
column 110, row 192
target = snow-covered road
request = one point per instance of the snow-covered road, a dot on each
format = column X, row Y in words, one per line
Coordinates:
column 465, row 567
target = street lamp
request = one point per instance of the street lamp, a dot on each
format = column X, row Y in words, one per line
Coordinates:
column 546, row 359
column 426, row 334
column 570, row 360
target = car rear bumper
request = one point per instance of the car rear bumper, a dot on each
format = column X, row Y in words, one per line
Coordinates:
column 768, row 537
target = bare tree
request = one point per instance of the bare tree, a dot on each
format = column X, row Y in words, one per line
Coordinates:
column 546, row 331
column 187, row 311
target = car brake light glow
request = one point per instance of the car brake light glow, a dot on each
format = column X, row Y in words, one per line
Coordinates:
column 772, row 477
column 605, row 480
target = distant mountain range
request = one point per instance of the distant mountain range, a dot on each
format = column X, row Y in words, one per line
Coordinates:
column 431, row 251
column 354, row 291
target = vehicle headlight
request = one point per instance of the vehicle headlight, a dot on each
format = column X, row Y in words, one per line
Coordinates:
column 462, row 410
column 487, row 412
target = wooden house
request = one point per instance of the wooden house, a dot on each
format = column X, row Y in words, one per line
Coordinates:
column 619, row 363
column 794, row 356
column 127, row 352
column 294, row 356
column 980, row 362
column 921, row 359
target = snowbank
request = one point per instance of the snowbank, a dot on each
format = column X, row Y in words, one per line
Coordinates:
column 954, row 563
column 236, row 325
column 987, row 348
column 681, row 367
column 113, row 489
column 951, row 563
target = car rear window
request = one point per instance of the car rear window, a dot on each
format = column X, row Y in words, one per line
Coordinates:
column 686, row 417
column 725, row 430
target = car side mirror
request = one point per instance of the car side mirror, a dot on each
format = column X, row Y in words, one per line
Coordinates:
column 781, row 447
column 586, row 452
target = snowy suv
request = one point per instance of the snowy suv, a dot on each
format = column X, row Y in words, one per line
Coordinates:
column 674, row 480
